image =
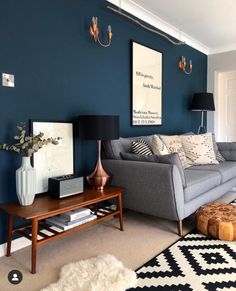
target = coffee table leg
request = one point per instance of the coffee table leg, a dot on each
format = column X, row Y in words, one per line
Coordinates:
column 121, row 211
column 9, row 233
column 34, row 244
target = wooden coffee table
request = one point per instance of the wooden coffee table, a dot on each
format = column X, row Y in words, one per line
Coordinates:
column 45, row 207
column 217, row 220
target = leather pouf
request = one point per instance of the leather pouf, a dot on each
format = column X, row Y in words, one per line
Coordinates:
column 217, row 220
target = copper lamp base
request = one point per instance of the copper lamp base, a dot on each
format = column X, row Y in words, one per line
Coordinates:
column 99, row 178
column 98, row 182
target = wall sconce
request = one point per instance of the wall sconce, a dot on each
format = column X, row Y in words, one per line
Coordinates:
column 182, row 65
column 94, row 31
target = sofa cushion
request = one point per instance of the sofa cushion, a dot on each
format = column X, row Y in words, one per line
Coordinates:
column 199, row 182
column 158, row 146
column 219, row 156
column 226, row 169
column 139, row 158
column 228, row 150
column 199, row 149
column 174, row 145
column 141, row 147
column 113, row 148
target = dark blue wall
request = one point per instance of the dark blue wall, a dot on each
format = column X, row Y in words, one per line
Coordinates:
column 60, row 73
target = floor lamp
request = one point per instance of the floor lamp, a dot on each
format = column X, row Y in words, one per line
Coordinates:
column 202, row 102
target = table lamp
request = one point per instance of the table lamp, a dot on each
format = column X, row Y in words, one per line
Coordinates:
column 202, row 102
column 99, row 128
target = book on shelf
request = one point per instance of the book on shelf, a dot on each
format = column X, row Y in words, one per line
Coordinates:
column 60, row 220
column 75, row 214
column 64, row 226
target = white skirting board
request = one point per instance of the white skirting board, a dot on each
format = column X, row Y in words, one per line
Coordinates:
column 16, row 245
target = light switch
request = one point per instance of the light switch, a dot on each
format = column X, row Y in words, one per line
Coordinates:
column 8, row 80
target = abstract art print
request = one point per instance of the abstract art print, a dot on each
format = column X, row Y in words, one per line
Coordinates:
column 146, row 86
column 53, row 160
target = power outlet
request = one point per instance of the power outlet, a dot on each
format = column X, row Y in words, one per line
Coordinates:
column 8, row 80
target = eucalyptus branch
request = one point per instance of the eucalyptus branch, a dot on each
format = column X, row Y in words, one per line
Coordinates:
column 28, row 145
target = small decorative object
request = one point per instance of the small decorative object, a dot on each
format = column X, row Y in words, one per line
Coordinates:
column 26, row 146
column 99, row 127
column 202, row 102
column 51, row 161
column 25, row 182
column 146, row 86
column 94, row 31
column 183, row 65
column 65, row 186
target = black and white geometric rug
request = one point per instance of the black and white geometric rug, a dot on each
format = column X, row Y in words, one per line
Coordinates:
column 195, row 262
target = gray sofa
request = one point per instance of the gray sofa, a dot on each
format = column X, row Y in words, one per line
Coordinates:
column 157, row 188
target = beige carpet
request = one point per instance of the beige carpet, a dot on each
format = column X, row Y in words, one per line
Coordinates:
column 144, row 237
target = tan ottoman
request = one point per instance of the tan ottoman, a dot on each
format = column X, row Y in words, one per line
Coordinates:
column 217, row 220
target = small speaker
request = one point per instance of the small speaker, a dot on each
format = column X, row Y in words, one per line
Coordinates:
column 64, row 186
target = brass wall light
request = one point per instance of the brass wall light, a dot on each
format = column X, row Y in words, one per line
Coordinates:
column 183, row 65
column 94, row 31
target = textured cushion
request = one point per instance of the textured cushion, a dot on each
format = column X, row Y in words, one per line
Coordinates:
column 219, row 156
column 158, row 146
column 113, row 148
column 140, row 147
column 199, row 149
column 226, row 169
column 174, row 145
column 172, row 159
column 199, row 182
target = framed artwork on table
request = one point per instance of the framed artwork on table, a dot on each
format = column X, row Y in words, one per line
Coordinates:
column 146, row 86
column 53, row 160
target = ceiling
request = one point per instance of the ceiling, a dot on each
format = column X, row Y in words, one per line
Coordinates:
column 211, row 23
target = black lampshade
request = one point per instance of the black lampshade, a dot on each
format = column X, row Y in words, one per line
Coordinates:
column 203, row 101
column 99, row 127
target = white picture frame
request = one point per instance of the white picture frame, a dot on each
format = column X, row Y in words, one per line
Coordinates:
column 53, row 160
column 146, row 86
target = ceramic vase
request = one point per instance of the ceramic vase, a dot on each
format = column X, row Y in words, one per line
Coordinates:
column 26, row 182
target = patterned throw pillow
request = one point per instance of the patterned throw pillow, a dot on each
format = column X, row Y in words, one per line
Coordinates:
column 199, row 149
column 158, row 146
column 141, row 147
column 219, row 156
column 174, row 145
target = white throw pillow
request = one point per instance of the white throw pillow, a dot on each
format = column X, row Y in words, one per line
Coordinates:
column 158, row 146
column 199, row 149
column 174, row 145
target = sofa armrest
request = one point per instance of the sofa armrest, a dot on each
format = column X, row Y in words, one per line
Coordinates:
column 228, row 150
column 151, row 188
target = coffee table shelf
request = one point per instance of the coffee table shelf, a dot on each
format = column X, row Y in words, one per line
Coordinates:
column 40, row 232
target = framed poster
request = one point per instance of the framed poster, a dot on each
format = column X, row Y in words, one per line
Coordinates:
column 53, row 160
column 146, row 86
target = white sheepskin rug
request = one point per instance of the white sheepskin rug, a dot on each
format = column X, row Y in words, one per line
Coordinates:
column 102, row 273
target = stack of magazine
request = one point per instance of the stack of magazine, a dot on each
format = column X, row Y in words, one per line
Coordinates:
column 72, row 218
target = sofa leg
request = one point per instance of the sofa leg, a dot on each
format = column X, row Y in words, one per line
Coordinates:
column 180, row 228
